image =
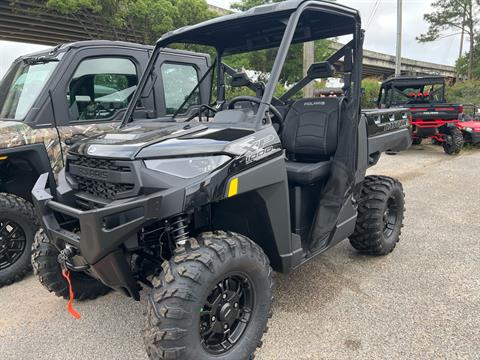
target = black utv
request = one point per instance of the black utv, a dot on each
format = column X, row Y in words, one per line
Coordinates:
column 201, row 205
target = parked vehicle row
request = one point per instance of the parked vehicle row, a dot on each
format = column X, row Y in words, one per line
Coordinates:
column 432, row 116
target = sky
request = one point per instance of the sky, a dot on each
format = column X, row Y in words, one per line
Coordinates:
column 380, row 32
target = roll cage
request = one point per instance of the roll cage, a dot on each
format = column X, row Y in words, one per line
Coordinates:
column 279, row 26
column 398, row 86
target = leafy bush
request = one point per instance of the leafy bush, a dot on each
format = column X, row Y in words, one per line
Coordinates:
column 371, row 88
column 464, row 92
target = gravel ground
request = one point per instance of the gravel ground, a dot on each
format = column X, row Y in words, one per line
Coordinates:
column 420, row 302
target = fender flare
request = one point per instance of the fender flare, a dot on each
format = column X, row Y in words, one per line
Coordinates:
column 36, row 155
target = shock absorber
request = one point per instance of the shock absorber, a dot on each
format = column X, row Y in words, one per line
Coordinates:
column 179, row 229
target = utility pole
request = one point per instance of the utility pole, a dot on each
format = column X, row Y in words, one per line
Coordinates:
column 308, row 59
column 398, row 61
column 462, row 37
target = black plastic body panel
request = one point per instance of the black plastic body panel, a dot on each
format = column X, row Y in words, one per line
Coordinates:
column 387, row 130
column 474, row 137
column 104, row 230
column 37, row 157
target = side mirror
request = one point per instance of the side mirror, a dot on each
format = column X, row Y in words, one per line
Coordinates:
column 240, row 79
column 321, row 70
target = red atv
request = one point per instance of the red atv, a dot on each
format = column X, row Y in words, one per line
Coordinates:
column 470, row 124
column 432, row 116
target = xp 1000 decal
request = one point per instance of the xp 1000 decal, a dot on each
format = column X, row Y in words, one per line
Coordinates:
column 259, row 148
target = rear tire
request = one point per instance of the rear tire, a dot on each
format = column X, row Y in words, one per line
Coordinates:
column 18, row 225
column 454, row 141
column 49, row 273
column 381, row 207
column 416, row 141
column 219, row 284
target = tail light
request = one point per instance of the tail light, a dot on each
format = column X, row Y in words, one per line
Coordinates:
column 460, row 109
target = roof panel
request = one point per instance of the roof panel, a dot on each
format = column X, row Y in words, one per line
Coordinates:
column 263, row 26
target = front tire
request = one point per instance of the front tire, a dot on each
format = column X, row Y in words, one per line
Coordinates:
column 454, row 141
column 49, row 272
column 18, row 225
column 212, row 301
column 381, row 207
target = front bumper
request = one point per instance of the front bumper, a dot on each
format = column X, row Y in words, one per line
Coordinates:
column 475, row 137
column 103, row 231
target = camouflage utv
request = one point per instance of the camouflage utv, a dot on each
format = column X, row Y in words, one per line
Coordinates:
column 51, row 99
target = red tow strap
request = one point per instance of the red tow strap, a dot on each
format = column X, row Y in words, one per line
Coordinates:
column 71, row 310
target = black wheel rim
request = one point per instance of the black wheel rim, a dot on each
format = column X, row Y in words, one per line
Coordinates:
column 12, row 242
column 226, row 313
column 390, row 217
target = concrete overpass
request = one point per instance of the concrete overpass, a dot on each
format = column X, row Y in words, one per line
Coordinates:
column 27, row 21
column 383, row 65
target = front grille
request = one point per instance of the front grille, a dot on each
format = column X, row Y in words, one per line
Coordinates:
column 102, row 188
column 98, row 164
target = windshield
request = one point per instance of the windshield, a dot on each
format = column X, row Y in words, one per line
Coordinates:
column 470, row 113
column 21, row 86
column 255, row 92
column 416, row 94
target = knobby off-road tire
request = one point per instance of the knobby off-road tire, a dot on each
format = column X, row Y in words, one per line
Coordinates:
column 381, row 207
column 416, row 140
column 454, row 142
column 18, row 225
column 49, row 273
column 194, row 298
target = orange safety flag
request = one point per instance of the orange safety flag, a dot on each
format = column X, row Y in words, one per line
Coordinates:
column 71, row 310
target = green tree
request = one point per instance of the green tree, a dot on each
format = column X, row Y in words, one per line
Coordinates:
column 462, row 62
column 371, row 88
column 293, row 68
column 457, row 15
column 142, row 21
column 464, row 92
column 263, row 60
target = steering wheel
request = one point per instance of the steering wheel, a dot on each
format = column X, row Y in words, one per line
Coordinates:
column 277, row 117
column 200, row 111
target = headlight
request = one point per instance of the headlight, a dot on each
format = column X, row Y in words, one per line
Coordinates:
column 187, row 167
column 468, row 129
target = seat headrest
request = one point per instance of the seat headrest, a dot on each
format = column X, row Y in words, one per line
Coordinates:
column 325, row 104
column 311, row 129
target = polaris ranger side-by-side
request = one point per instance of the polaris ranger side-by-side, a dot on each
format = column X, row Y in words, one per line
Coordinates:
column 432, row 116
column 49, row 100
column 203, row 204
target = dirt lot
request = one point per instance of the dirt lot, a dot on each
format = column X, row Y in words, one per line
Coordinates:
column 420, row 302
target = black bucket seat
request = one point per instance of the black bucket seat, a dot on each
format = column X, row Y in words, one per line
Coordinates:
column 310, row 136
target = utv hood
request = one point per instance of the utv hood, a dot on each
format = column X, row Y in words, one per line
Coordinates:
column 471, row 124
column 151, row 140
